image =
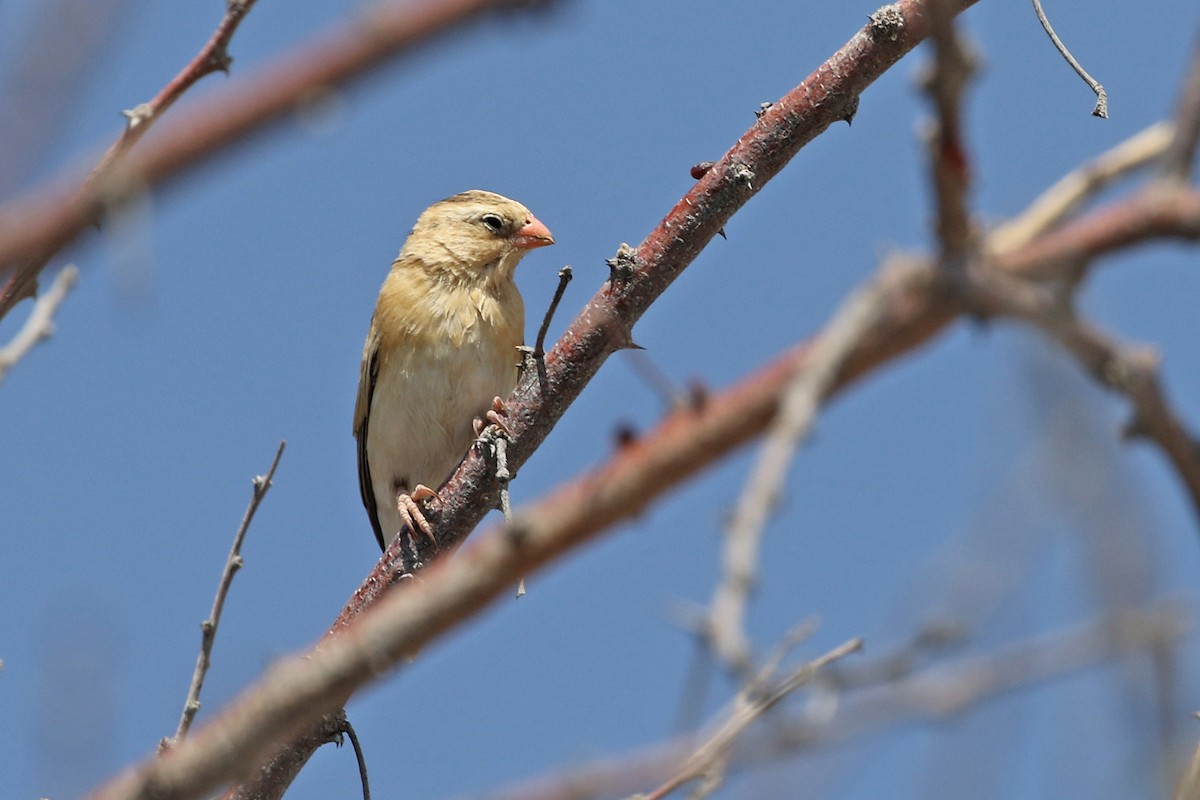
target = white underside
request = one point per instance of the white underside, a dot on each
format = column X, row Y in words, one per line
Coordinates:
column 432, row 401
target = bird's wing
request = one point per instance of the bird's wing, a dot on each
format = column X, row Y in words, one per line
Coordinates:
column 362, row 416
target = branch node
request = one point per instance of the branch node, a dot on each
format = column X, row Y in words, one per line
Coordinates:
column 622, row 266
column 887, row 23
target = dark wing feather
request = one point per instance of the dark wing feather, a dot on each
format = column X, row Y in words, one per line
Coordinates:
column 362, row 417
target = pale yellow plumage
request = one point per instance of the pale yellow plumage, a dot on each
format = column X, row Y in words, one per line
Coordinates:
column 442, row 344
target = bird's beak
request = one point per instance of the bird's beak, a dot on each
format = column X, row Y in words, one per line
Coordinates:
column 532, row 234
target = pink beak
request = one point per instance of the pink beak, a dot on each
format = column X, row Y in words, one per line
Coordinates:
column 532, row 234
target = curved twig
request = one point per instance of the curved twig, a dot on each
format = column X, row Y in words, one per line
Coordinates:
column 1101, row 109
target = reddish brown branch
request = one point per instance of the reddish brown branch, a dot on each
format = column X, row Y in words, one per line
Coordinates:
column 950, row 162
column 1158, row 212
column 40, row 224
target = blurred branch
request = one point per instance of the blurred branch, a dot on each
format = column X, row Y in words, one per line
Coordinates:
column 102, row 183
column 933, row 693
column 49, row 66
column 802, row 399
column 1180, row 157
column 1074, row 189
column 208, row 628
column 949, row 163
column 39, row 326
column 39, row 224
column 1101, row 109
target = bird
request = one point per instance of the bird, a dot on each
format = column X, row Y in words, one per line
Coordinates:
column 441, row 351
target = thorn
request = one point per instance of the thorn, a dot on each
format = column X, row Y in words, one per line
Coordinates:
column 721, row 233
column 851, row 111
column 762, row 109
column 701, row 169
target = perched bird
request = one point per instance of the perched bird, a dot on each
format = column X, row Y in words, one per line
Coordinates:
column 441, row 351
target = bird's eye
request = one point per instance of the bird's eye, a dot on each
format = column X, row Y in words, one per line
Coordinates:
column 494, row 222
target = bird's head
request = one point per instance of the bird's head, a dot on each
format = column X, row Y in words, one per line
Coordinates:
column 475, row 234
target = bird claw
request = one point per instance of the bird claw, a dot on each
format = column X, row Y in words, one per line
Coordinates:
column 494, row 416
column 411, row 513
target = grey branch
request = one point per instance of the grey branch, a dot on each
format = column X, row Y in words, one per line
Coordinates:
column 1101, row 109
column 40, row 324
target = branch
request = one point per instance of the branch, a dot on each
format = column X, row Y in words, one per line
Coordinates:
column 1180, row 157
column 101, row 183
column 949, row 162
column 802, row 399
column 40, row 324
column 208, row 628
column 1074, row 189
column 40, row 223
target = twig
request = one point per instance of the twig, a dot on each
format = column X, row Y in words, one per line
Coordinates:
column 564, row 277
column 1101, row 109
column 949, row 161
column 1076, row 187
column 208, row 628
column 348, row 729
column 503, row 476
column 708, row 759
column 806, row 391
column 39, row 326
column 1179, row 159
column 102, row 183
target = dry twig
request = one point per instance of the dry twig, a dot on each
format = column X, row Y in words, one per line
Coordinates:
column 1101, row 109
column 709, row 759
column 39, row 326
column 208, row 628
column 806, row 391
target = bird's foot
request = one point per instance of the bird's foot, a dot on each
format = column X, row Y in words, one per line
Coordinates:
column 412, row 515
column 495, row 416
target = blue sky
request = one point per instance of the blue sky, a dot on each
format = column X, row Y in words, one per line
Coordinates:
column 227, row 312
